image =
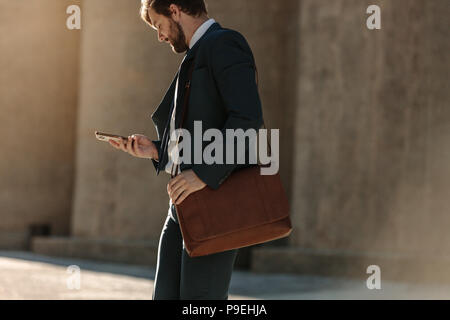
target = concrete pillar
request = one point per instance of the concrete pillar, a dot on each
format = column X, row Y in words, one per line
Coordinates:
column 119, row 204
column 38, row 99
column 371, row 140
column 125, row 72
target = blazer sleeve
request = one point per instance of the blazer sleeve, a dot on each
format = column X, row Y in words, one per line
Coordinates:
column 158, row 147
column 233, row 68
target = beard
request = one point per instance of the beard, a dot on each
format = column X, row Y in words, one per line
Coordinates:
column 179, row 42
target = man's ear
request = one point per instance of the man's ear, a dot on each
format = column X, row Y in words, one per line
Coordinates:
column 176, row 12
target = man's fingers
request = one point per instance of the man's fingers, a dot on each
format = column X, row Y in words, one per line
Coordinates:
column 122, row 145
column 174, row 185
column 135, row 144
column 115, row 144
column 130, row 146
column 183, row 196
column 174, row 181
column 177, row 190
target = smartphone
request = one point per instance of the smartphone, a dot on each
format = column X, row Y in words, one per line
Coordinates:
column 108, row 136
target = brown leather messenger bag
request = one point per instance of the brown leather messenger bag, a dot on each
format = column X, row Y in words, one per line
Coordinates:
column 247, row 209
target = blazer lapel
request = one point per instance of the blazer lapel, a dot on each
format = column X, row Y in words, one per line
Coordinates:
column 184, row 72
column 161, row 115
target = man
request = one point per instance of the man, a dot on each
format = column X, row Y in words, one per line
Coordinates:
column 224, row 96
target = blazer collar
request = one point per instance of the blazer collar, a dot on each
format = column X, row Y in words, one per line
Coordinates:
column 191, row 52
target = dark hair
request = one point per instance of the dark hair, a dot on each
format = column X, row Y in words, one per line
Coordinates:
column 190, row 7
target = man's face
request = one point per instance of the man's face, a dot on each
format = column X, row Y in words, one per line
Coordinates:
column 169, row 31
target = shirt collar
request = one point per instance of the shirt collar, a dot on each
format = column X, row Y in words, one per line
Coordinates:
column 200, row 32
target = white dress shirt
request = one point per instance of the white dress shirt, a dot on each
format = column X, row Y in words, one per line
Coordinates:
column 172, row 143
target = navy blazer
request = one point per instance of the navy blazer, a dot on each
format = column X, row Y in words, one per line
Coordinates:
column 224, row 95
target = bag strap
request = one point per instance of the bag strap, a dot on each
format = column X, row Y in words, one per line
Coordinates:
column 187, row 91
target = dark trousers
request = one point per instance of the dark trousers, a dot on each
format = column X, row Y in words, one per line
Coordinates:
column 180, row 277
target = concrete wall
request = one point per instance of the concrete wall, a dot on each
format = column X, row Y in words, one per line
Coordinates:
column 371, row 121
column 372, row 136
column 124, row 74
column 38, row 104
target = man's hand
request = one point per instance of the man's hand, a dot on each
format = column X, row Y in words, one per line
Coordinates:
column 138, row 146
column 183, row 185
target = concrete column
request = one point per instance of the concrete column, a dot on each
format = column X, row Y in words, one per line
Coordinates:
column 371, row 153
column 119, row 204
column 125, row 72
column 38, row 99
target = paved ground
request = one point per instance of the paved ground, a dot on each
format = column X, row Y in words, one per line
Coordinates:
column 25, row 275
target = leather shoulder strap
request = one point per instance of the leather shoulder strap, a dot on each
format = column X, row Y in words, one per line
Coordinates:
column 187, row 91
